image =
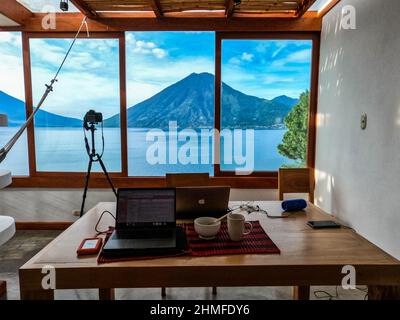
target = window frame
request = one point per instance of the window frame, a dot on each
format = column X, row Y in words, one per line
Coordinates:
column 29, row 98
column 311, row 130
column 257, row 180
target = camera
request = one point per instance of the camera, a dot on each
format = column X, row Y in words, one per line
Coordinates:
column 64, row 5
column 92, row 117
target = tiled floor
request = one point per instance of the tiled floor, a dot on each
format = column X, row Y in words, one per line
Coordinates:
column 26, row 244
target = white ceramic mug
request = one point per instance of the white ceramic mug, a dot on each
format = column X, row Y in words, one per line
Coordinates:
column 236, row 226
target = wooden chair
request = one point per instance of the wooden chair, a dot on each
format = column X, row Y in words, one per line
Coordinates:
column 296, row 180
column 187, row 180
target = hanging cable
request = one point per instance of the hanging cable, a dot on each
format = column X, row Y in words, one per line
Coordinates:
column 49, row 88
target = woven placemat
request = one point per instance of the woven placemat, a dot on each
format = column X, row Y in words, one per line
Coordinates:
column 255, row 242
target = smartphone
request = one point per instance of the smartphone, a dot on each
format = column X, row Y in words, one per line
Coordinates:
column 328, row 224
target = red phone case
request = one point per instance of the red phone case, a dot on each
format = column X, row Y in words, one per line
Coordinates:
column 88, row 251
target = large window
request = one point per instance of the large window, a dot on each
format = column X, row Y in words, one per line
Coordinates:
column 226, row 103
column 170, row 82
column 265, row 86
column 89, row 80
column 12, row 102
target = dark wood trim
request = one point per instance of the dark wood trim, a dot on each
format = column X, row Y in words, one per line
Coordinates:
column 106, row 294
column 229, row 8
column 328, row 8
column 66, row 180
column 29, row 102
column 301, row 293
column 313, row 112
column 217, row 104
column 304, row 7
column 123, row 105
column 70, row 22
column 156, row 7
column 85, row 9
column 312, row 122
column 383, row 292
column 71, row 35
column 42, row 225
column 3, row 290
column 15, row 11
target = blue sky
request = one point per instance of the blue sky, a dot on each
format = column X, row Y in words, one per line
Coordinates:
column 155, row 60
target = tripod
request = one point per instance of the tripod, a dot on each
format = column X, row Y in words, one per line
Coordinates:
column 94, row 157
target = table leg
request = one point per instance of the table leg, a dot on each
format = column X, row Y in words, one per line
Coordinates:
column 37, row 294
column 107, row 294
column 383, row 293
column 301, row 293
column 3, row 290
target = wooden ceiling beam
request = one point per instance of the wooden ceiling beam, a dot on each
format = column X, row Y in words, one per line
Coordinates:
column 303, row 8
column 328, row 8
column 155, row 5
column 229, row 8
column 70, row 22
column 85, row 9
column 15, row 11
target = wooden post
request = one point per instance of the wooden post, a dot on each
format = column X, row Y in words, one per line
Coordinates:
column 301, row 293
column 107, row 294
column 3, row 290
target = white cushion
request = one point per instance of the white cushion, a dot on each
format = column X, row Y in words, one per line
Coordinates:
column 5, row 178
column 7, row 229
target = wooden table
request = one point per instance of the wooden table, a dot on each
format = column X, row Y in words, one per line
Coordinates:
column 308, row 257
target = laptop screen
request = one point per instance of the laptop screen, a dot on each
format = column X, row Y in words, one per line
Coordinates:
column 146, row 208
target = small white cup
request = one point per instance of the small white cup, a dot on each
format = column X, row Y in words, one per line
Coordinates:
column 207, row 227
column 236, row 226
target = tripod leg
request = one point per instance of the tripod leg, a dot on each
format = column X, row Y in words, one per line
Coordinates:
column 86, row 185
column 107, row 176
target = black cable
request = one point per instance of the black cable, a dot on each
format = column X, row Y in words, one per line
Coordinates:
column 326, row 294
column 98, row 222
column 49, row 88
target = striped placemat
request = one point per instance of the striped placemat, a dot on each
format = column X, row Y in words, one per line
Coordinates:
column 255, row 242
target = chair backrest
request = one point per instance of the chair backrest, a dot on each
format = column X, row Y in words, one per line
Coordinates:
column 187, row 179
column 296, row 180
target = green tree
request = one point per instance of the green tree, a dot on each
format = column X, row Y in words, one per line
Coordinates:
column 294, row 142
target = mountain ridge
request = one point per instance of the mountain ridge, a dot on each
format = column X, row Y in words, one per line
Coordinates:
column 15, row 109
column 190, row 102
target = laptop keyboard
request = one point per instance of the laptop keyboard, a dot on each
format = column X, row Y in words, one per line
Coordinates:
column 143, row 234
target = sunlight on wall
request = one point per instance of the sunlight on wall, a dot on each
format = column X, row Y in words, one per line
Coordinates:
column 324, row 180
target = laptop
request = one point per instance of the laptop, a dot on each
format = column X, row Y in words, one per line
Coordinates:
column 194, row 202
column 145, row 223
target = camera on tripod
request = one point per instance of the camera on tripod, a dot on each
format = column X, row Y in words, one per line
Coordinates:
column 91, row 118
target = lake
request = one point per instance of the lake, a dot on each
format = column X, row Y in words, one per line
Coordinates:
column 63, row 149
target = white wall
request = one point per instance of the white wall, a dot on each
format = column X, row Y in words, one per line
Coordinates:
column 358, row 172
column 57, row 204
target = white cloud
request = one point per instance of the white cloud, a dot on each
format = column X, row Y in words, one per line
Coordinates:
column 247, row 56
column 159, row 53
column 278, row 79
column 144, row 47
column 234, row 61
column 302, row 56
column 11, row 65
